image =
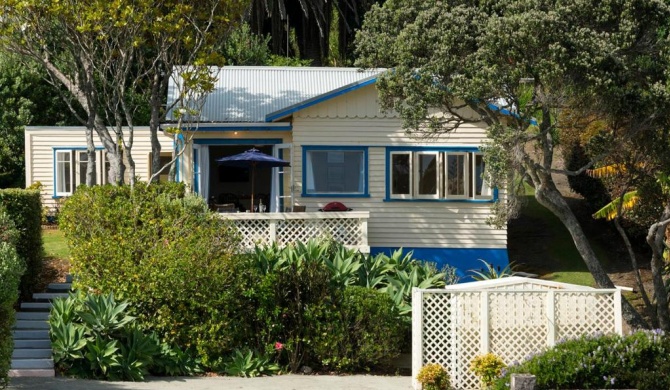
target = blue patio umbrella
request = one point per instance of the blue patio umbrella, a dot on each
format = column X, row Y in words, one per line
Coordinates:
column 252, row 158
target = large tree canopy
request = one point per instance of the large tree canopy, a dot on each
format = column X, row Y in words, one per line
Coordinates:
column 114, row 56
column 532, row 58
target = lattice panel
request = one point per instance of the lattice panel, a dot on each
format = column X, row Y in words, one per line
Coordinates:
column 580, row 314
column 437, row 329
column 517, row 324
column 253, row 231
column 345, row 231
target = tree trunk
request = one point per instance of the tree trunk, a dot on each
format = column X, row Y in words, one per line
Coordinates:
column 655, row 239
column 90, row 154
column 154, row 123
column 548, row 195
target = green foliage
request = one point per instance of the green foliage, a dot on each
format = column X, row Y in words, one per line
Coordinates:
column 248, row 364
column 591, row 188
column 11, row 269
column 165, row 253
column 24, row 208
column 366, row 332
column 488, row 368
column 433, row 377
column 93, row 336
column 604, row 362
column 491, row 272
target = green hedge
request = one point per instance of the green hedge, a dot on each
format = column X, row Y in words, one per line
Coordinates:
column 161, row 250
column 11, row 269
column 25, row 209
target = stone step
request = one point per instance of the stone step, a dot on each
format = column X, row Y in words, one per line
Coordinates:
column 32, row 344
column 31, row 334
column 36, row 306
column 32, row 315
column 33, row 353
column 59, row 287
column 49, row 296
column 32, row 364
column 31, row 324
column 68, row 278
column 45, row 373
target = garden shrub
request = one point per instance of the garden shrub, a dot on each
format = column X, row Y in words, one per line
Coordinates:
column 605, row 362
column 11, row 269
column 433, row 377
column 165, row 253
column 24, row 208
column 94, row 337
column 367, row 332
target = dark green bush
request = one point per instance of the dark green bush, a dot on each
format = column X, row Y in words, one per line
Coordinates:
column 367, row 332
column 592, row 189
column 25, row 209
column 162, row 251
column 11, row 269
column 605, row 362
column 94, row 337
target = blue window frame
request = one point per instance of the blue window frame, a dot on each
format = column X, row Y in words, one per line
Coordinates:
column 335, row 171
column 437, row 173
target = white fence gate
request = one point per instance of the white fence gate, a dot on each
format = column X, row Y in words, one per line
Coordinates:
column 511, row 317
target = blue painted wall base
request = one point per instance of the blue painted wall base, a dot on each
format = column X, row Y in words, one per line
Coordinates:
column 463, row 259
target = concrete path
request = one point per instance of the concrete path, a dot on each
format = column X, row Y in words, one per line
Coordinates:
column 281, row 382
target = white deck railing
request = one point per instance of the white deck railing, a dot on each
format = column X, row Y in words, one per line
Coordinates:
column 349, row 228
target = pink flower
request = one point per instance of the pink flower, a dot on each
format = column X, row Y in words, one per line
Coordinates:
column 279, row 346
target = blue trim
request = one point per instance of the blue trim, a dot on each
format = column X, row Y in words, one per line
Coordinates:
column 200, row 129
column 196, row 172
column 271, row 117
column 507, row 112
column 387, row 163
column 246, row 141
column 464, row 259
column 308, row 148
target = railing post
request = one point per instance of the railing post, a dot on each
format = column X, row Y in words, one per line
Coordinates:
column 551, row 318
column 484, row 323
column 417, row 335
column 618, row 324
column 273, row 230
column 363, row 225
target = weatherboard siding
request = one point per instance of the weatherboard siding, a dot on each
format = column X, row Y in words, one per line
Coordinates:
column 354, row 120
column 40, row 143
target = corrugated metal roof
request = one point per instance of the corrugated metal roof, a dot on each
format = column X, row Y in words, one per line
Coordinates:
column 248, row 94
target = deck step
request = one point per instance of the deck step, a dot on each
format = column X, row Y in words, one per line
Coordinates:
column 33, row 316
column 32, row 353
column 32, row 364
column 42, row 334
column 59, row 287
column 36, row 306
column 31, row 324
column 32, row 344
column 49, row 296
column 44, row 373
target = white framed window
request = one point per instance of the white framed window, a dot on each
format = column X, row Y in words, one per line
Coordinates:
column 335, row 171
column 456, row 175
column 401, row 176
column 82, row 166
column 426, row 175
column 63, row 183
column 449, row 174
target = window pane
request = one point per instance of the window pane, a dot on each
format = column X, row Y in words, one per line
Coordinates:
column 456, row 166
column 335, row 172
column 63, row 172
column 427, row 174
column 481, row 187
column 400, row 174
column 83, row 165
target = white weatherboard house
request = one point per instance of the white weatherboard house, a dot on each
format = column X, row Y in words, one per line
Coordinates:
column 422, row 194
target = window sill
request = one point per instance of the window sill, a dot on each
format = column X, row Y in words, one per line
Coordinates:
column 442, row 200
column 304, row 195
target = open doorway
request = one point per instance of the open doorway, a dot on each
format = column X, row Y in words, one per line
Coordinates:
column 232, row 184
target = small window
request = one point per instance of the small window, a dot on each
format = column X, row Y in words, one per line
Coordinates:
column 456, row 169
column 63, row 179
column 481, row 188
column 400, row 175
column 165, row 159
column 82, row 167
column 426, row 175
column 335, row 172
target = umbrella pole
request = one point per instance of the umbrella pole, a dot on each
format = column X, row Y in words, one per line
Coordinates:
column 253, row 180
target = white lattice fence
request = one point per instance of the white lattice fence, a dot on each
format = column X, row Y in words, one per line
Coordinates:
column 452, row 326
column 349, row 228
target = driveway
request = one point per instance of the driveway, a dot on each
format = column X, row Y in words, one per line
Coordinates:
column 281, row 382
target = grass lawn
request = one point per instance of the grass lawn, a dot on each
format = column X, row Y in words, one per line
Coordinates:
column 55, row 245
